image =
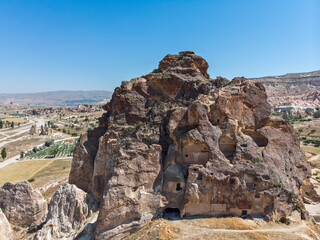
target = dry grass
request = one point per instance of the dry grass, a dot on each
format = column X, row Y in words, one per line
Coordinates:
column 315, row 163
column 22, row 171
column 310, row 149
column 49, row 193
column 220, row 228
column 249, row 236
column 15, row 120
column 168, row 231
column 157, row 229
column 14, row 148
column 41, row 171
column 223, row 223
column 55, row 171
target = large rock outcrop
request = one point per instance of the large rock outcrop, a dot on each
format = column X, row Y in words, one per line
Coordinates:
column 69, row 210
column 176, row 141
column 5, row 228
column 22, row 204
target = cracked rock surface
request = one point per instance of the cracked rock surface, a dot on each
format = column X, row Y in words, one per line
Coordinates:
column 177, row 141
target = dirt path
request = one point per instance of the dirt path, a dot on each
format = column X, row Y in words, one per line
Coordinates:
column 191, row 231
column 314, row 158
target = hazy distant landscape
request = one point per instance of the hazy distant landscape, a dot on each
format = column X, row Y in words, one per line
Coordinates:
column 56, row 98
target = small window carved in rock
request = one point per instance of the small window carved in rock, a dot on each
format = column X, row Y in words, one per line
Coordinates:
column 187, row 155
column 179, row 188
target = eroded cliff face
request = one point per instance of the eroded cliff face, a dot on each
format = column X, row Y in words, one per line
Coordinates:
column 176, row 140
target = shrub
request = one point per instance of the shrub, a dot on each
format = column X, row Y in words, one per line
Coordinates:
column 31, row 180
column 48, row 143
column 256, row 160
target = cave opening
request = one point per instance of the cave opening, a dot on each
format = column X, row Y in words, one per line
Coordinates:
column 178, row 188
column 259, row 139
column 227, row 146
column 244, row 213
column 171, row 213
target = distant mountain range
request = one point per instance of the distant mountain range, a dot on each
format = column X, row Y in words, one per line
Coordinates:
column 291, row 83
column 278, row 88
column 56, row 98
column 299, row 89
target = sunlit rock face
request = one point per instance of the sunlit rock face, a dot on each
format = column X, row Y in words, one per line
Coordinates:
column 22, row 204
column 69, row 211
column 5, row 228
column 176, row 140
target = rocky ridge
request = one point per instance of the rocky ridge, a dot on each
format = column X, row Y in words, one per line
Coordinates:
column 176, row 141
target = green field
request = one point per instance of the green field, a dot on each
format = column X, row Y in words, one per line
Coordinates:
column 57, row 150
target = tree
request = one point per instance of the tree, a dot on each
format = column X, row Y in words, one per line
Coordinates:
column 3, row 153
column 22, row 154
column 12, row 124
column 1, row 124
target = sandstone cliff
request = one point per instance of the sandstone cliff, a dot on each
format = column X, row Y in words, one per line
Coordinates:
column 176, row 141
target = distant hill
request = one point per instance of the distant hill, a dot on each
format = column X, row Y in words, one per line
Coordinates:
column 291, row 83
column 56, row 98
column 298, row 89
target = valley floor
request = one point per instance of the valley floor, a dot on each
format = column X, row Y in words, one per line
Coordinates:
column 226, row 228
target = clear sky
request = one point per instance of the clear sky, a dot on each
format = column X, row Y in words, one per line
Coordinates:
column 94, row 45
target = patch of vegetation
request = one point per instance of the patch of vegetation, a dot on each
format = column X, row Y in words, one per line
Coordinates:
column 256, row 160
column 31, row 180
column 60, row 149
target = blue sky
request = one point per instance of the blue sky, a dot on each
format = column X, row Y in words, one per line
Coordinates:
column 94, row 45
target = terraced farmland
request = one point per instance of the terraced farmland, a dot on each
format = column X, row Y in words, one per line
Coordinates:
column 58, row 150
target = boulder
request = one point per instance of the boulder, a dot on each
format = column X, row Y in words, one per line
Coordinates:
column 69, row 210
column 22, row 204
column 5, row 228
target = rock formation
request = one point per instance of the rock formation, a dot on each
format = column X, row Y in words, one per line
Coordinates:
column 177, row 141
column 5, row 228
column 46, row 131
column 42, row 131
column 21, row 204
column 33, row 130
column 68, row 211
